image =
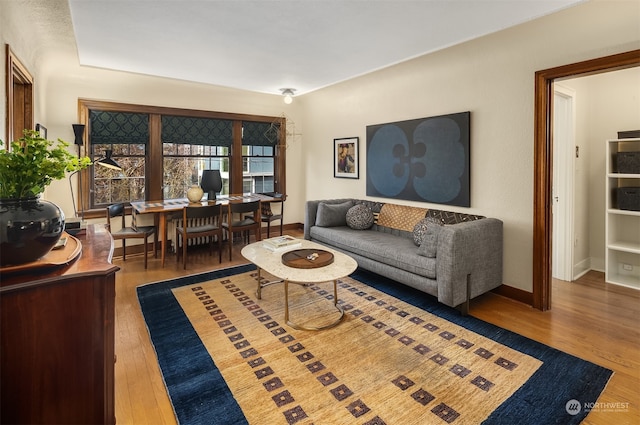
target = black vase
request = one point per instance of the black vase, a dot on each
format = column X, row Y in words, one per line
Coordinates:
column 29, row 228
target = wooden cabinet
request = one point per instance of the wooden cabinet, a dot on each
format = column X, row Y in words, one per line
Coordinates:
column 622, row 227
column 57, row 339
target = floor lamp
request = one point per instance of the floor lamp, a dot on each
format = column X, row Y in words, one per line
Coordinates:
column 78, row 130
column 107, row 161
column 74, row 225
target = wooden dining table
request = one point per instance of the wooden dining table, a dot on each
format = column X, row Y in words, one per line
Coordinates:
column 165, row 208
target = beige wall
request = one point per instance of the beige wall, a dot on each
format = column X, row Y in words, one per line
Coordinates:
column 492, row 77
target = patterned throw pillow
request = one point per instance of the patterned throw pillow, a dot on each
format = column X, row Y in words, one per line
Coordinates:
column 401, row 217
column 428, row 225
column 359, row 217
column 429, row 246
column 419, row 230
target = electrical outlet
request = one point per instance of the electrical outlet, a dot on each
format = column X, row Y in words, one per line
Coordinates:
column 627, row 267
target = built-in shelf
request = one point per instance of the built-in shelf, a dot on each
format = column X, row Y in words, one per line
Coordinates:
column 624, row 246
column 622, row 227
column 623, row 212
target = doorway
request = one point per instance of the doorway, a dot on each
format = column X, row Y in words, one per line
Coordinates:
column 19, row 98
column 564, row 152
column 543, row 157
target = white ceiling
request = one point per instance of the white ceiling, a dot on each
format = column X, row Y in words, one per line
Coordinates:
column 266, row 45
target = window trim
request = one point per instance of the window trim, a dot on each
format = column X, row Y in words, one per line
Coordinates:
column 153, row 175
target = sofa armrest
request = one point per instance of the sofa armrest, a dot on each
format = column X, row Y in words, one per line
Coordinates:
column 311, row 210
column 471, row 249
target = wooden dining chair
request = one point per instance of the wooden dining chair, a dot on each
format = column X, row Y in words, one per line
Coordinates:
column 201, row 221
column 131, row 232
column 249, row 219
column 267, row 215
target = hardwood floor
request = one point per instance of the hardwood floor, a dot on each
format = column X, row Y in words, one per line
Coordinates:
column 589, row 319
column 592, row 320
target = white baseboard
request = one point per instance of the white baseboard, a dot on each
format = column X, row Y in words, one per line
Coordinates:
column 585, row 266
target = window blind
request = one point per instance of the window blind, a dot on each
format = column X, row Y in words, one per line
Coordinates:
column 118, row 127
column 197, row 131
column 260, row 133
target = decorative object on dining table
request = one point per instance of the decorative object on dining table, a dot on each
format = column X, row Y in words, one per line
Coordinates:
column 307, row 258
column 30, row 226
column 194, row 194
column 211, row 183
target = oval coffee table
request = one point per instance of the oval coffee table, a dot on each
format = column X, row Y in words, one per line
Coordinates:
column 271, row 262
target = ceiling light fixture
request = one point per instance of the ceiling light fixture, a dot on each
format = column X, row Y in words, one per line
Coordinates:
column 288, row 95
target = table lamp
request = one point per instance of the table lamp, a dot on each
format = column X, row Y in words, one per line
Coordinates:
column 211, row 183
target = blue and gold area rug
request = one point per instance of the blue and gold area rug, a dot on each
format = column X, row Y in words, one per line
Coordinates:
column 398, row 357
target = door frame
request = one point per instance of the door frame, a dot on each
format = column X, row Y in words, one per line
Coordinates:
column 543, row 160
column 19, row 86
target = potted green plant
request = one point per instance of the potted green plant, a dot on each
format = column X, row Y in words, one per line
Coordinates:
column 30, row 226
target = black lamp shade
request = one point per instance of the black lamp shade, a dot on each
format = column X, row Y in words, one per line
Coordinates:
column 211, row 183
column 109, row 162
column 78, row 130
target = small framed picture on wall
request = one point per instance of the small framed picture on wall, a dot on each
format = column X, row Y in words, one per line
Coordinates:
column 42, row 130
column 345, row 158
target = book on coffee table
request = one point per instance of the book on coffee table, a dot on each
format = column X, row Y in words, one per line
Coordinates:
column 281, row 243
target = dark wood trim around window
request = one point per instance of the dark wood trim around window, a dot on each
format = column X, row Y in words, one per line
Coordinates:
column 154, row 152
column 543, row 160
column 19, row 87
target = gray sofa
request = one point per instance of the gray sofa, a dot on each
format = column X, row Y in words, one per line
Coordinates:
column 463, row 261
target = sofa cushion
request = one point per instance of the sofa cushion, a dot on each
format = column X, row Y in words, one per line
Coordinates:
column 382, row 247
column 400, row 217
column 359, row 217
column 330, row 215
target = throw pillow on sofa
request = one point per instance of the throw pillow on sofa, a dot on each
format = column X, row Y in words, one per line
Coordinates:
column 419, row 230
column 400, row 217
column 359, row 217
column 331, row 215
column 429, row 245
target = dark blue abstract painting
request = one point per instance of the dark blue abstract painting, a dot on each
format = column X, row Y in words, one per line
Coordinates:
column 424, row 160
